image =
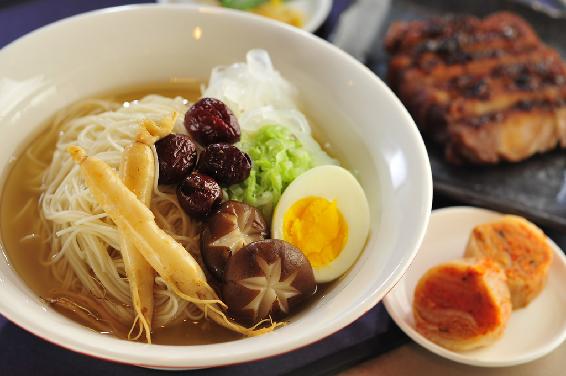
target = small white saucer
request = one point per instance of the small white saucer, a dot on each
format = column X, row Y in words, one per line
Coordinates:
column 531, row 333
column 315, row 11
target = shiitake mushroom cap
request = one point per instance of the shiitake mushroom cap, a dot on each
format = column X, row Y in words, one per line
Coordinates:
column 232, row 226
column 266, row 278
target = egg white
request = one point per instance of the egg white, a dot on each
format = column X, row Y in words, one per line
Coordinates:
column 332, row 183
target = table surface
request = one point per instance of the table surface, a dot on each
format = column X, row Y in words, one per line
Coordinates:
column 371, row 335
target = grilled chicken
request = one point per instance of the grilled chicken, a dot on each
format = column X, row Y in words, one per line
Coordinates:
column 489, row 90
column 521, row 249
column 462, row 304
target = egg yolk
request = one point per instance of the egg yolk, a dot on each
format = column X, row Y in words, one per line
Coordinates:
column 316, row 226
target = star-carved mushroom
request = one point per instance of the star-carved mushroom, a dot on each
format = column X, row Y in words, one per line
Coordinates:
column 266, row 278
column 233, row 226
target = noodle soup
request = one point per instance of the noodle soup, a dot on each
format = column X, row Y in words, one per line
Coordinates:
column 175, row 216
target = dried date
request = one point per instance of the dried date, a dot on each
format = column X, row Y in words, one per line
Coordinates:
column 198, row 195
column 177, row 155
column 210, row 121
column 225, row 163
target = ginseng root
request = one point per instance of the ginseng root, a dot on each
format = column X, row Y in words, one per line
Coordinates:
column 138, row 174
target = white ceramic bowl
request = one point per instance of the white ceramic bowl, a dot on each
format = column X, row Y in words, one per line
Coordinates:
column 370, row 130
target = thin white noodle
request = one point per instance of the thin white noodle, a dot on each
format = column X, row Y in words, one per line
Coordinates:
column 83, row 243
column 23, row 210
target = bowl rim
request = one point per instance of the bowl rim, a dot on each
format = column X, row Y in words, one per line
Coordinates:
column 180, row 362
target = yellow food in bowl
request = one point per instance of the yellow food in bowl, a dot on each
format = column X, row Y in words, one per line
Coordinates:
column 317, row 227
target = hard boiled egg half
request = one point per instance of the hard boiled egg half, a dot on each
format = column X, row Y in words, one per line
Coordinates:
column 324, row 212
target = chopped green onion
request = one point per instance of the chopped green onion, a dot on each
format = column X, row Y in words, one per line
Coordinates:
column 278, row 157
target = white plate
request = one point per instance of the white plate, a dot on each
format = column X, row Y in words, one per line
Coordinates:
column 315, row 11
column 532, row 332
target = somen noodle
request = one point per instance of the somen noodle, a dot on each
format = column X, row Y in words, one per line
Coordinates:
column 83, row 242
